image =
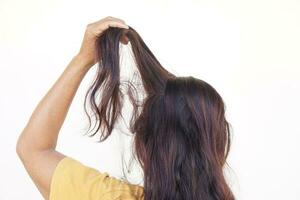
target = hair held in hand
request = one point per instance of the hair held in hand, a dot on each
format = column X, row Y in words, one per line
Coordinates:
column 182, row 138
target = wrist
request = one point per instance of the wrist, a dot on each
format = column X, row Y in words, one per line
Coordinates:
column 82, row 61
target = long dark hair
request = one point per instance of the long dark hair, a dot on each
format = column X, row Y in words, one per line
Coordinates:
column 107, row 81
column 182, row 138
column 182, row 141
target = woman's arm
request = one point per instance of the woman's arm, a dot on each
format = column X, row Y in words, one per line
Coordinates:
column 36, row 145
column 37, row 142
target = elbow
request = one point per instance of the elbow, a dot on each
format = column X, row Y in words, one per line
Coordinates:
column 20, row 147
column 23, row 147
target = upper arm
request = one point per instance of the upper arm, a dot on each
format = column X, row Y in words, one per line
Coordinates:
column 40, row 166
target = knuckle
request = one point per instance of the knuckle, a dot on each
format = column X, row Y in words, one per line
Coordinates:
column 89, row 25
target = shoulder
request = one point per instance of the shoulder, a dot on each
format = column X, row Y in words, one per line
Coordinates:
column 74, row 180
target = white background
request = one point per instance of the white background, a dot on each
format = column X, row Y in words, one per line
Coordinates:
column 248, row 50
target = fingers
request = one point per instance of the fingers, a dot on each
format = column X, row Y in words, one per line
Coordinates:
column 116, row 19
column 117, row 24
column 111, row 22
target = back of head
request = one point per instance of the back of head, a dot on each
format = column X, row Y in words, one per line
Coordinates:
column 182, row 141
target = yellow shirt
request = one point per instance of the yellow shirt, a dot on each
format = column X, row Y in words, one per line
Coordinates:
column 72, row 180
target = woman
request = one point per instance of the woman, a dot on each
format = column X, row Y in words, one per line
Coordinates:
column 182, row 138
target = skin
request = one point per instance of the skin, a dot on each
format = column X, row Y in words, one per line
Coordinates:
column 36, row 145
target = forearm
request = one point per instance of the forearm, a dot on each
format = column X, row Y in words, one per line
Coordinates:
column 42, row 129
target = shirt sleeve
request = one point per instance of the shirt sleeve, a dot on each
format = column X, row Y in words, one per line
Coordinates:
column 73, row 180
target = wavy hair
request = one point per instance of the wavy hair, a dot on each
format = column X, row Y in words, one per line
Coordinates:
column 107, row 80
column 182, row 138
